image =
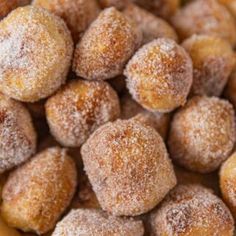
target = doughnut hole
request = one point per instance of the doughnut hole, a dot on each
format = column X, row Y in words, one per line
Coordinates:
column 95, row 222
column 128, row 167
column 106, row 46
column 205, row 17
column 37, row 193
column 159, row 75
column 192, row 210
column 35, row 53
column 17, row 134
column 202, row 134
column 79, row 108
column 213, row 61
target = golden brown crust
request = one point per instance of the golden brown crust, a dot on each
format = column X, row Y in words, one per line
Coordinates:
column 163, row 8
column 37, row 193
column 17, row 134
column 106, row 46
column 205, row 17
column 192, row 210
column 128, row 166
column 159, row 75
column 79, row 108
column 77, row 14
column 228, row 183
column 213, row 61
column 131, row 109
column 35, row 53
column 92, row 222
column 7, row 6
column 202, row 134
column 152, row 26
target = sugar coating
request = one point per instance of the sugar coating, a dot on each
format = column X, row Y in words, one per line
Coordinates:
column 192, row 210
column 78, row 14
column 213, row 60
column 106, row 46
column 202, row 134
column 35, row 53
column 79, row 108
column 118, row 4
column 152, row 26
column 6, row 6
column 227, row 182
column 88, row 222
column 159, row 75
column 162, row 8
column 37, row 193
column 128, row 166
column 205, row 17
column 131, row 109
column 17, row 134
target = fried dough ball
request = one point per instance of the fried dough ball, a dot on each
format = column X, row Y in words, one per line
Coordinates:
column 209, row 180
column 131, row 109
column 228, row 183
column 91, row 222
column 192, row 210
column 79, row 108
column 202, row 134
column 159, row 75
column 230, row 90
column 37, row 193
column 35, row 53
column 152, row 27
column 106, row 46
column 77, row 14
column 213, row 61
column 17, row 134
column 128, row 166
column 118, row 4
column 7, row 6
column 163, row 8
column 205, row 17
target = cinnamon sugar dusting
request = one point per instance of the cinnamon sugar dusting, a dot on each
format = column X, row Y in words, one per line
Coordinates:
column 44, row 186
column 35, row 53
column 17, row 134
column 95, row 222
column 128, row 167
column 192, row 208
column 79, row 108
column 106, row 46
